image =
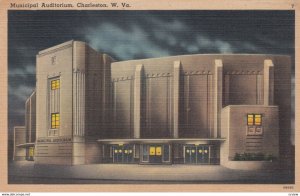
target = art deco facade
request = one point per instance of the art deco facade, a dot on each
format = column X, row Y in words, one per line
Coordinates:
column 189, row 109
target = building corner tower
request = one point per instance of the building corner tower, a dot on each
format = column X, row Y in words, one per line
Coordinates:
column 72, row 79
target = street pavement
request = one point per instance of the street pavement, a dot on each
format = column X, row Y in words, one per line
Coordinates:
column 26, row 172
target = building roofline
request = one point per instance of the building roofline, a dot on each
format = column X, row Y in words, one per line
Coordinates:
column 56, row 47
column 66, row 45
column 192, row 55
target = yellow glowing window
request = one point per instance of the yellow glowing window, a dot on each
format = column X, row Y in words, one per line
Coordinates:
column 31, row 151
column 152, row 150
column 257, row 119
column 55, row 120
column 158, row 150
column 250, row 118
column 55, row 84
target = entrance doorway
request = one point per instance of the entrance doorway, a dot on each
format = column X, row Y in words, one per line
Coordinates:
column 30, row 154
column 196, row 154
column 155, row 153
column 122, row 153
column 203, row 154
column 190, row 155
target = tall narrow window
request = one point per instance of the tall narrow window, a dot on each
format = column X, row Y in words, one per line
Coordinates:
column 55, row 84
column 54, row 106
column 55, row 119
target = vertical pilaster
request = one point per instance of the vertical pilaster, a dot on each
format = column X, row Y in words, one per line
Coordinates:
column 259, row 89
column 137, row 101
column 218, row 83
column 268, row 82
column 107, row 97
column 176, row 94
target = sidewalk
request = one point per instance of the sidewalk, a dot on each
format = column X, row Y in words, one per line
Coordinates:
column 159, row 173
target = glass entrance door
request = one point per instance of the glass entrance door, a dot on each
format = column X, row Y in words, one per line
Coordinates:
column 127, row 154
column 122, row 153
column 117, row 153
column 30, row 153
column 202, row 154
column 190, row 154
column 155, row 154
column 196, row 154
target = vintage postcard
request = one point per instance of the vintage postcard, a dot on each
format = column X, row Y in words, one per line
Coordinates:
column 114, row 96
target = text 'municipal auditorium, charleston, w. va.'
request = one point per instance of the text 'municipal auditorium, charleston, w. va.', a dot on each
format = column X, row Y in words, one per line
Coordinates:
column 232, row 110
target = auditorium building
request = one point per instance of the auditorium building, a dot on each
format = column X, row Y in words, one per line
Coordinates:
column 223, row 109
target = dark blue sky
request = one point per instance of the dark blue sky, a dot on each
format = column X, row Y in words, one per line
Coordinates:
column 139, row 34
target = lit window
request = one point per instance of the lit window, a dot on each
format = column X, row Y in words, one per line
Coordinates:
column 250, row 119
column 31, row 151
column 152, row 150
column 55, row 84
column 257, row 119
column 254, row 122
column 55, row 119
column 158, row 150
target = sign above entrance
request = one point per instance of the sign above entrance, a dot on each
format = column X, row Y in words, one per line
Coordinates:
column 54, row 140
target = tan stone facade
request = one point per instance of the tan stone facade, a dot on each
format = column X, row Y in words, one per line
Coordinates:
column 82, row 78
column 192, row 109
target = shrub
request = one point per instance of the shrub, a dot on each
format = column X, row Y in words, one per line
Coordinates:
column 270, row 157
column 253, row 157
column 237, row 157
column 260, row 156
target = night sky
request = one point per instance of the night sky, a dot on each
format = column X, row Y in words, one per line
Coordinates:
column 138, row 34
